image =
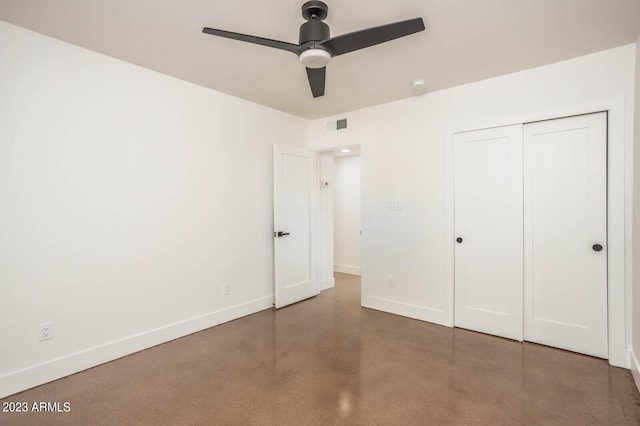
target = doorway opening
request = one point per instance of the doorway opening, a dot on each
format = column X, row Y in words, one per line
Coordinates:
column 340, row 221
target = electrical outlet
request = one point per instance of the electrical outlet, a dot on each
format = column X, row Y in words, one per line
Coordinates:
column 391, row 282
column 226, row 289
column 46, row 331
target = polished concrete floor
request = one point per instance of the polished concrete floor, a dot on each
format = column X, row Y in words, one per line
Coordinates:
column 328, row 361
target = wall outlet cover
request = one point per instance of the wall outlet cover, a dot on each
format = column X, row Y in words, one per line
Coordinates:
column 46, row 331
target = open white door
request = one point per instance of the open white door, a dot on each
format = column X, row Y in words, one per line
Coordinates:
column 294, row 224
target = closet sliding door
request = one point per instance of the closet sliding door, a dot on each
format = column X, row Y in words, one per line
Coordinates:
column 488, row 226
column 565, row 233
column 531, row 232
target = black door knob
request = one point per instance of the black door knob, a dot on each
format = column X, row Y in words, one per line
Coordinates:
column 459, row 240
column 597, row 247
column 282, row 234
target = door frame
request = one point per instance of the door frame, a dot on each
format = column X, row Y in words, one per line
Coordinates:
column 619, row 176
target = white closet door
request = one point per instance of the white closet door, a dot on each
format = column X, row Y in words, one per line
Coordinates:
column 565, row 220
column 488, row 225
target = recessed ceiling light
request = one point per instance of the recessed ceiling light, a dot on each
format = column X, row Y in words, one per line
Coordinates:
column 418, row 84
column 345, row 150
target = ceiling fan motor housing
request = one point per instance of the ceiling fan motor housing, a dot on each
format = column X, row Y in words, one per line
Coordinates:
column 313, row 31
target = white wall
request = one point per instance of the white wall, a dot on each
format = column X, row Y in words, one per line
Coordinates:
column 346, row 214
column 326, row 221
column 405, row 161
column 128, row 198
column 635, row 354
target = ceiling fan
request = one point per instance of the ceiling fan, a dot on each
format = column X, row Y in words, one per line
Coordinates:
column 316, row 47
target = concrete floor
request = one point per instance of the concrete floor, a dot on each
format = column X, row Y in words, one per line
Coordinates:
column 328, row 361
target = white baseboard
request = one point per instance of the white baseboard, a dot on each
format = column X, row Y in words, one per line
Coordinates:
column 35, row 375
column 422, row 313
column 635, row 369
column 327, row 283
column 347, row 269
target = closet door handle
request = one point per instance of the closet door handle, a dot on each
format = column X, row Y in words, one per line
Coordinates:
column 459, row 240
column 596, row 247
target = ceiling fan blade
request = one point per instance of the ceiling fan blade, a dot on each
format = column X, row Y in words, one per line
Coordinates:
column 317, row 77
column 289, row 47
column 371, row 36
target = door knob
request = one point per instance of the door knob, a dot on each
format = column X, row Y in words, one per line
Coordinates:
column 281, row 234
column 459, row 239
column 597, row 247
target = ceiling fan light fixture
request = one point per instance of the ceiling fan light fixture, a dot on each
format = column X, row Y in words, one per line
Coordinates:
column 315, row 58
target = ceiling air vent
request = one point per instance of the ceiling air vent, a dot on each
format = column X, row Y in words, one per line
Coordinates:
column 334, row 125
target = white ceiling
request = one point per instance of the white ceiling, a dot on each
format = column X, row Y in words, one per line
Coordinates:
column 465, row 41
